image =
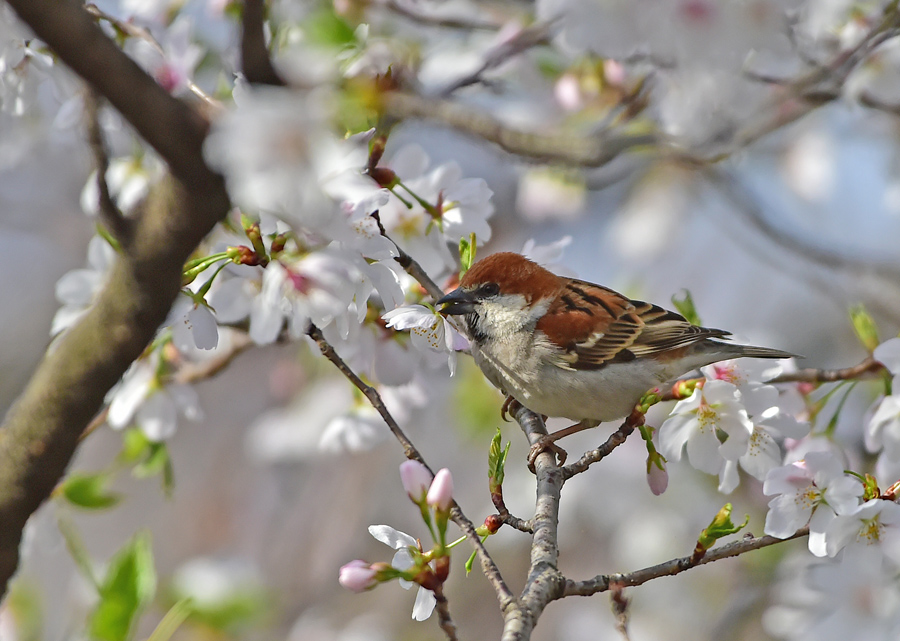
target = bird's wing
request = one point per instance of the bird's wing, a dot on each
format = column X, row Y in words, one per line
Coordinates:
column 593, row 326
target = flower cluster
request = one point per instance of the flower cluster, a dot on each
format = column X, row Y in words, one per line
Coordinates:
column 731, row 420
column 412, row 564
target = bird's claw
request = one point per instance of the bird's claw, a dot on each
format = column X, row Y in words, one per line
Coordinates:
column 544, row 444
column 510, row 406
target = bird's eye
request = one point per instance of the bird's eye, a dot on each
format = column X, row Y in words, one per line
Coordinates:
column 490, row 289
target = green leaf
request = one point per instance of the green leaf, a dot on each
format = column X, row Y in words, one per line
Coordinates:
column 78, row 551
column 466, row 253
column 158, row 461
column 134, row 445
column 870, row 488
column 173, row 620
column 865, row 328
column 686, row 308
column 720, row 526
column 89, row 491
column 127, row 588
column 497, row 461
column 327, row 29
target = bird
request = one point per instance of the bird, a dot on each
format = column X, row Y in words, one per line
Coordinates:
column 563, row 347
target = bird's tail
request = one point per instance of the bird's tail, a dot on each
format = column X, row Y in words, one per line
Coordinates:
column 751, row 351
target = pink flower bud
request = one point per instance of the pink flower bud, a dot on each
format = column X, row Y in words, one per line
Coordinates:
column 357, row 576
column 657, row 479
column 416, row 479
column 440, row 494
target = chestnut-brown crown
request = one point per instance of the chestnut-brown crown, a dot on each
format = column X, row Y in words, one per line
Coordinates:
column 514, row 274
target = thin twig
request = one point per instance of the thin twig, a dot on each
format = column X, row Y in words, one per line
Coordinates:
column 134, row 31
column 811, row 375
column 440, row 21
column 114, row 220
column 443, row 610
column 593, row 456
column 490, row 569
column 409, row 264
column 604, row 582
column 516, row 523
column 526, row 39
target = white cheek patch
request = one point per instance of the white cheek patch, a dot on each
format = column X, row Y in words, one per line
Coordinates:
column 505, row 315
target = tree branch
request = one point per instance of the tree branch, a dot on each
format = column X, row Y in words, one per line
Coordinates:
column 490, row 569
column 545, row 583
column 41, row 430
column 604, row 582
column 255, row 60
column 556, row 146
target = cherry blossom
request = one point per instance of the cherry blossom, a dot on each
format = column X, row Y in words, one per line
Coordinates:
column 358, row 430
column 883, row 429
column 429, row 331
column 141, row 399
column 855, row 597
column 77, row 289
column 173, row 60
column 193, row 324
column 403, row 560
column 875, row 521
column 695, row 421
column 813, row 490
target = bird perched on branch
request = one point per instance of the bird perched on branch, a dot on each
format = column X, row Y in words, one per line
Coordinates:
column 569, row 348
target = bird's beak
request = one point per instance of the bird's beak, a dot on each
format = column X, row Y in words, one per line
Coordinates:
column 457, row 302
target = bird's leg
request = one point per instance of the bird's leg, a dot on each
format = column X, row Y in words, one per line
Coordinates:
column 548, row 442
column 510, row 406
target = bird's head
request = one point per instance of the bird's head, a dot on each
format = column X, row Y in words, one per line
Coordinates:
column 502, row 294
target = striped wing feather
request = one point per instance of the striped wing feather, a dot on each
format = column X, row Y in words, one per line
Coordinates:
column 598, row 326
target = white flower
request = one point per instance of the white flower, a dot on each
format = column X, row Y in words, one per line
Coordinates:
column 888, row 354
column 172, row 66
column 463, row 206
column 695, row 422
column 401, row 541
column 874, row 522
column 856, row 597
column 77, row 289
column 271, row 149
column 770, row 425
column 883, row 430
column 547, row 255
column 814, row 487
column 325, row 286
column 128, row 180
column 743, row 373
column 358, row 430
column 140, row 399
column 193, row 324
column 429, row 331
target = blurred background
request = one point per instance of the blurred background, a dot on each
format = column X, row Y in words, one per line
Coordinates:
column 775, row 244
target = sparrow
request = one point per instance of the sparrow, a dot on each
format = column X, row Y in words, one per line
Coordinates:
column 568, row 348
